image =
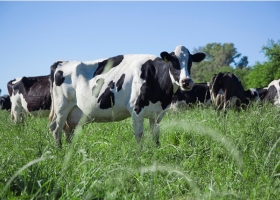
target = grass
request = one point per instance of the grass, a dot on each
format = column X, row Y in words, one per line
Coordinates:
column 203, row 155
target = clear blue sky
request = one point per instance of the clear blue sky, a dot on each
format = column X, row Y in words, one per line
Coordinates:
column 33, row 35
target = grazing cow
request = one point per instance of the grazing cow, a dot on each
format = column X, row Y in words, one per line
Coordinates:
column 252, row 94
column 273, row 92
column 113, row 89
column 255, row 94
column 29, row 95
column 226, row 90
column 200, row 93
column 5, row 102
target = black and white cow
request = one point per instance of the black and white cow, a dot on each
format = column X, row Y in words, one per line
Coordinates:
column 200, row 93
column 256, row 94
column 252, row 94
column 227, row 91
column 5, row 102
column 267, row 94
column 29, row 95
column 136, row 85
column 273, row 92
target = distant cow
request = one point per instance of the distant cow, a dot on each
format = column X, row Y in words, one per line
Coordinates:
column 200, row 93
column 226, row 90
column 256, row 94
column 267, row 94
column 5, row 102
column 273, row 92
column 113, row 89
column 29, row 95
column 252, row 94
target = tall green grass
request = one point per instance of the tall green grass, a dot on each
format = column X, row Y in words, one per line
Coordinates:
column 203, row 155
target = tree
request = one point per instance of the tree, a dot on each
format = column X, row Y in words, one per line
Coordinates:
column 263, row 73
column 219, row 58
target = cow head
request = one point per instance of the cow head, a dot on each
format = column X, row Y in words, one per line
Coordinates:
column 180, row 61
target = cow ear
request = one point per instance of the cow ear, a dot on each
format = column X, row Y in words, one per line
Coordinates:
column 198, row 57
column 166, row 56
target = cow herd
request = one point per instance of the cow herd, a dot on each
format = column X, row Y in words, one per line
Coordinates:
column 134, row 85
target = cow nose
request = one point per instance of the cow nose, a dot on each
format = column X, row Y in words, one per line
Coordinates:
column 187, row 83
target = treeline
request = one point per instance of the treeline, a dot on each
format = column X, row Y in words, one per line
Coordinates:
column 225, row 58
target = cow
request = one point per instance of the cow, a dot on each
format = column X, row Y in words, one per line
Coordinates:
column 256, row 94
column 273, row 92
column 266, row 94
column 5, row 102
column 200, row 93
column 226, row 90
column 105, row 90
column 29, row 95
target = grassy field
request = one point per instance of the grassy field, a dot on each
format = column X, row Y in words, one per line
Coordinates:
column 203, row 155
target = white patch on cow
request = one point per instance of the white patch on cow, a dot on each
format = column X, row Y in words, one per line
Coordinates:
column 23, row 102
column 253, row 92
column 16, row 80
column 218, row 99
column 17, row 112
column 174, row 83
column 183, row 54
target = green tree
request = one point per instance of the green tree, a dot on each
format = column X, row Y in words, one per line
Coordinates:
column 263, row 73
column 219, row 58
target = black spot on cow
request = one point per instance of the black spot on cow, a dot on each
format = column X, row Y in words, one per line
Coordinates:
column 59, row 79
column 115, row 61
column 38, row 96
column 175, row 70
column 24, row 85
column 157, row 87
column 53, row 68
column 107, row 99
column 111, row 85
column 120, row 82
column 270, row 94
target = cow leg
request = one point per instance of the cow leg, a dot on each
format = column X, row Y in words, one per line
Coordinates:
column 73, row 119
column 154, row 125
column 16, row 113
column 138, row 126
column 59, row 123
column 68, row 132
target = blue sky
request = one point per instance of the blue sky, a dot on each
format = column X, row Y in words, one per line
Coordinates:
column 33, row 35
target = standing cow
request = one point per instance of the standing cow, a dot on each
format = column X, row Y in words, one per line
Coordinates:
column 29, row 95
column 113, row 89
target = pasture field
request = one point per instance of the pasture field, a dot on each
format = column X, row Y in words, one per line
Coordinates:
column 203, row 155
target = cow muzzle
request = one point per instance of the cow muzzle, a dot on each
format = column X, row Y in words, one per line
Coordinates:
column 186, row 84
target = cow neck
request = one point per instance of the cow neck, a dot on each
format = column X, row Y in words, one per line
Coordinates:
column 175, row 86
